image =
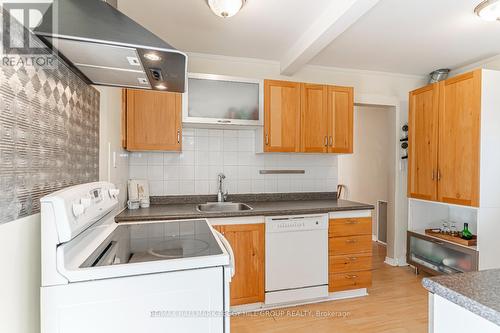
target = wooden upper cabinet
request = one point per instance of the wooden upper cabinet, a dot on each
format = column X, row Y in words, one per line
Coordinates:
column 459, row 139
column 247, row 242
column 153, row 120
column 308, row 118
column 314, row 124
column 423, row 142
column 281, row 116
column 340, row 119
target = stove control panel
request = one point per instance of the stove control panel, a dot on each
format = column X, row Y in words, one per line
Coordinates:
column 77, row 207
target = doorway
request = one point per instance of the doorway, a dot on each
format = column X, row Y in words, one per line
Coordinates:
column 369, row 174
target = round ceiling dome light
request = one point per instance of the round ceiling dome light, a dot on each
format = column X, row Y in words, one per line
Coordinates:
column 488, row 10
column 226, row 8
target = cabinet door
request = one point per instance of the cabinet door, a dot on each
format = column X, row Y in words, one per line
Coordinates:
column 281, row 116
column 340, row 119
column 459, row 139
column 423, row 143
column 247, row 241
column 314, row 118
column 153, row 120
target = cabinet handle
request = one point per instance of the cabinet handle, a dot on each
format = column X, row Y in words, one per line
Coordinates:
column 350, row 277
column 326, row 141
column 352, row 222
column 267, row 139
column 331, row 141
column 353, row 258
column 438, row 175
column 351, row 241
column 178, row 136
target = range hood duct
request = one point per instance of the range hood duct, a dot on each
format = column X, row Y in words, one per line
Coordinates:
column 106, row 47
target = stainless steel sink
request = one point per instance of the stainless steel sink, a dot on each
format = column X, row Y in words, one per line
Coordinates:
column 215, row 207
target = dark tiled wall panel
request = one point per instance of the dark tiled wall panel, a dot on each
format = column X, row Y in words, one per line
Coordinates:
column 49, row 136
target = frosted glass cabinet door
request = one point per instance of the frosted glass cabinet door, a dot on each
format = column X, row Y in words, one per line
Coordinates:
column 223, row 100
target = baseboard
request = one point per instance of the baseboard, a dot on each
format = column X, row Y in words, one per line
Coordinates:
column 395, row 262
column 254, row 307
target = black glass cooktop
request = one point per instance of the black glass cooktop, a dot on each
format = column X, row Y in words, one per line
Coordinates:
column 135, row 243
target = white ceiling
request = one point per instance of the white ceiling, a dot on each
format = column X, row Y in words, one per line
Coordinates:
column 263, row 29
column 414, row 36
column 401, row 36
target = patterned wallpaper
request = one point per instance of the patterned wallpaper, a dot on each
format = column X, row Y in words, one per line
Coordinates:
column 49, row 134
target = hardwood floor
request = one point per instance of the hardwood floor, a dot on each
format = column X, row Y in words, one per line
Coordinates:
column 397, row 303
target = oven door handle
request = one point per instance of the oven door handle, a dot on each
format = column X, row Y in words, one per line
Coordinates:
column 229, row 249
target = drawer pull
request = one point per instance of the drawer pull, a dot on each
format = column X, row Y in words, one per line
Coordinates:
column 353, row 258
column 351, row 241
column 350, row 277
column 351, row 222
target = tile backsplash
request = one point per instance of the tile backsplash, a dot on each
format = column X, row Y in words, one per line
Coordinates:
column 207, row 152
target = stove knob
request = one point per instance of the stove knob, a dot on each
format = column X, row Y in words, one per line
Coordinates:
column 113, row 193
column 78, row 209
column 86, row 202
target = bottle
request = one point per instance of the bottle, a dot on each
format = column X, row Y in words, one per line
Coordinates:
column 466, row 234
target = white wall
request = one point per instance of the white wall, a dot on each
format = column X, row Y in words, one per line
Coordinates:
column 113, row 160
column 206, row 153
column 20, row 275
column 20, row 239
column 369, row 173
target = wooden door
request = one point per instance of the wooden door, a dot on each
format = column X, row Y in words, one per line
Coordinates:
column 153, row 120
column 423, row 143
column 247, row 241
column 281, row 116
column 459, row 139
column 314, row 118
column 340, row 119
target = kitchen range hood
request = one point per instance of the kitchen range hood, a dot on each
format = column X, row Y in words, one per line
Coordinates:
column 106, row 47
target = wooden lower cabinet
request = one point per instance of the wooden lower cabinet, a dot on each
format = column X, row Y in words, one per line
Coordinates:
column 350, row 280
column 247, row 241
column 349, row 244
column 350, row 253
column 350, row 263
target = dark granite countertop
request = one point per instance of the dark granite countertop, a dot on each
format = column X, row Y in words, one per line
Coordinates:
column 169, row 208
column 478, row 292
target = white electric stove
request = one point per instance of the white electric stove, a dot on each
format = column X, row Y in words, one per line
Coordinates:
column 98, row 276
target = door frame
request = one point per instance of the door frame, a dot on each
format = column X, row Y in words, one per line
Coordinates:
column 396, row 244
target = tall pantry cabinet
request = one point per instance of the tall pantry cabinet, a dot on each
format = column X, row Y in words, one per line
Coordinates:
column 454, row 157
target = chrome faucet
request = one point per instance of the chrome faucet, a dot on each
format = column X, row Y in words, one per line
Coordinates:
column 221, row 196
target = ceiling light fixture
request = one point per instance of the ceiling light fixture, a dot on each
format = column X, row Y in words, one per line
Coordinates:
column 226, row 8
column 152, row 56
column 488, row 10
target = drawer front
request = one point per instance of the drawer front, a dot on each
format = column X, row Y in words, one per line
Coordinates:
column 350, row 226
column 347, row 281
column 349, row 244
column 350, row 263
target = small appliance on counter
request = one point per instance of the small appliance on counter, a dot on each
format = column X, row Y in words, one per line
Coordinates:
column 138, row 194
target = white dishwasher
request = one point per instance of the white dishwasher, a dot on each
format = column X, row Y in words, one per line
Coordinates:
column 296, row 258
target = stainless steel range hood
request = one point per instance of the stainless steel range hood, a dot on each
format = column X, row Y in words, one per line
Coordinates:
column 108, row 48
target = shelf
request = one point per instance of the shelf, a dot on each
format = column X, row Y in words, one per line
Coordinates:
column 422, row 233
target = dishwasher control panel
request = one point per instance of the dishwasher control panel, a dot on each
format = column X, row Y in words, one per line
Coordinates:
column 296, row 223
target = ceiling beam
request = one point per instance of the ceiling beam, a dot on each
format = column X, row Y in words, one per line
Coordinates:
column 336, row 19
